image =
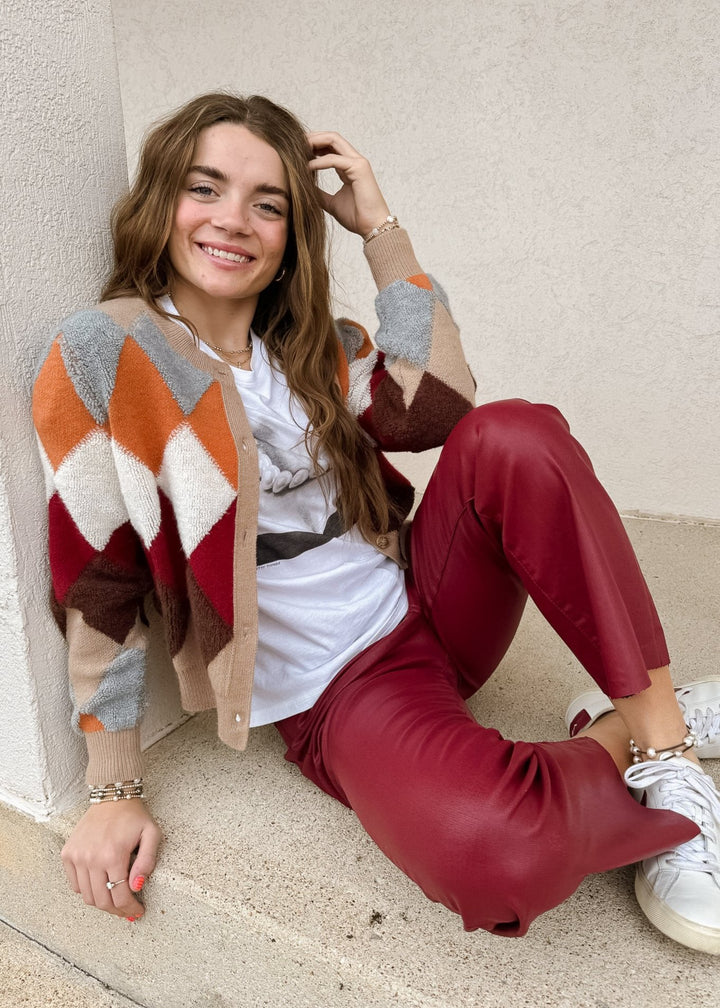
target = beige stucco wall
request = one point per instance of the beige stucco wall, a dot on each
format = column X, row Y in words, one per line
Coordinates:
column 557, row 164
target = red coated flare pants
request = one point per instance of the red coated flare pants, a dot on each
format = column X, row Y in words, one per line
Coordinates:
column 497, row 831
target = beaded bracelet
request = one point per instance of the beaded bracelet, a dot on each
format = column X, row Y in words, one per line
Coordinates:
column 388, row 224
column 638, row 754
column 117, row 791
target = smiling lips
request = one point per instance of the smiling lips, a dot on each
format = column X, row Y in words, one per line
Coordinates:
column 224, row 254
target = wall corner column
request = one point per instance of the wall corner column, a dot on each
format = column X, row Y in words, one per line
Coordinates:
column 64, row 165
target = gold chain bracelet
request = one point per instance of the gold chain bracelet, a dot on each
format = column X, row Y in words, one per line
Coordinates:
column 388, row 224
column 117, row 791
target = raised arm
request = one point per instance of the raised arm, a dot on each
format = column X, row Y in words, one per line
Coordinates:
column 411, row 388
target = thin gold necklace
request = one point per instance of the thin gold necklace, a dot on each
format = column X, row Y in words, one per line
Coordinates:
column 245, row 352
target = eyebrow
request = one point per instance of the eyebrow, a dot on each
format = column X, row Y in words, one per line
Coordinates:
column 219, row 176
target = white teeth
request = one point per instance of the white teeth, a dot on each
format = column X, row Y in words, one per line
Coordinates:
column 222, row 254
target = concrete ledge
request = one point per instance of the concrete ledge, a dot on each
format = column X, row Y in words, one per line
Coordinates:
column 33, row 976
column 268, row 893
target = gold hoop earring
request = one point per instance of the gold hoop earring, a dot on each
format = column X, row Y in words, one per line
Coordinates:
column 280, row 275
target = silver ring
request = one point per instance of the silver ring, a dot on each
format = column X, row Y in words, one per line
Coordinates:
column 111, row 885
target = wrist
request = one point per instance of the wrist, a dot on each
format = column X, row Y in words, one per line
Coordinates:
column 388, row 224
column 117, row 791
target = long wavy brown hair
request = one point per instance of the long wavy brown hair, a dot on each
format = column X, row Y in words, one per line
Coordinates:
column 293, row 316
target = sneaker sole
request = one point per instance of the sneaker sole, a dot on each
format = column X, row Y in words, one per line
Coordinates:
column 686, row 932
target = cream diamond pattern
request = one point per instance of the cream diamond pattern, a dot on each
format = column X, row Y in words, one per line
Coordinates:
column 90, row 493
column 139, row 489
column 199, row 492
column 359, row 375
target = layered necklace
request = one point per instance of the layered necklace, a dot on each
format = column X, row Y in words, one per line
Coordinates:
column 242, row 356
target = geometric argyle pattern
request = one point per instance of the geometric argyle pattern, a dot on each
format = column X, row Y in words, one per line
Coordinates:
column 410, row 393
column 151, row 473
column 142, row 482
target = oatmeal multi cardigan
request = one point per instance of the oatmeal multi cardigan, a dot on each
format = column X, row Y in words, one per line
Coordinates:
column 152, row 480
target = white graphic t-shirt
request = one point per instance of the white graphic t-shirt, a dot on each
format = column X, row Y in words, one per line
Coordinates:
column 323, row 595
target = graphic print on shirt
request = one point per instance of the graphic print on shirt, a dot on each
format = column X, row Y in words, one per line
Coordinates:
column 295, row 509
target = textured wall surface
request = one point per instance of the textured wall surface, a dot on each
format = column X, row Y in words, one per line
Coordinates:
column 557, row 164
column 62, row 165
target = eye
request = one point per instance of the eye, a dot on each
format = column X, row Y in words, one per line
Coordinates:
column 202, row 189
column 270, row 208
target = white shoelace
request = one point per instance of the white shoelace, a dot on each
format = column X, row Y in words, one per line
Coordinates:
column 693, row 795
column 705, row 727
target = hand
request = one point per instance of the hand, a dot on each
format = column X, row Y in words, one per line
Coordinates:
column 100, row 850
column 359, row 204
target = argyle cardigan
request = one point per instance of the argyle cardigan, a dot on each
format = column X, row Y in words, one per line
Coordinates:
column 152, row 482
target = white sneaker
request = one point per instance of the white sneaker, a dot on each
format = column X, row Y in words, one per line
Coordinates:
column 679, row 890
column 699, row 701
column 700, row 704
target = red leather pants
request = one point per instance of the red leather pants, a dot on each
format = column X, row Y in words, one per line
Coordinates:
column 497, row 831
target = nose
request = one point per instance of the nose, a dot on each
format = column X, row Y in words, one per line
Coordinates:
column 232, row 215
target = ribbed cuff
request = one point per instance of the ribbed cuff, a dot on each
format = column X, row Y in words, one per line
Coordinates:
column 391, row 257
column 113, row 756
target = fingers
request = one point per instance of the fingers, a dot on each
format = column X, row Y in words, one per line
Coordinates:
column 84, row 887
column 109, row 856
column 146, row 859
column 69, row 867
column 359, row 204
column 332, row 151
column 350, row 167
column 122, row 901
column 326, row 142
column 119, row 900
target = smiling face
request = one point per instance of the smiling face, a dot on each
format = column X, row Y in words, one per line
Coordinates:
column 231, row 223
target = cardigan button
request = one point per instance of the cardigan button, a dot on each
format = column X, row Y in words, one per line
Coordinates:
column 382, row 542
column 238, row 718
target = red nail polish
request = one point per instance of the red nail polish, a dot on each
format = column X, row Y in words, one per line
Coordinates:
column 138, row 883
column 131, row 919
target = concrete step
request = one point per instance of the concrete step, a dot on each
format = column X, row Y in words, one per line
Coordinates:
column 33, row 975
column 268, row 893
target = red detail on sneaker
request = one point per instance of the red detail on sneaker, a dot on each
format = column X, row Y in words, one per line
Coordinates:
column 580, row 721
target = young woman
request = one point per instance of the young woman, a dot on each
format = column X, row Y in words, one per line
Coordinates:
column 213, row 437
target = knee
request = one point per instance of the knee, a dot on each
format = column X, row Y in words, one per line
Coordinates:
column 514, row 429
column 515, row 422
column 511, row 859
column 505, row 877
